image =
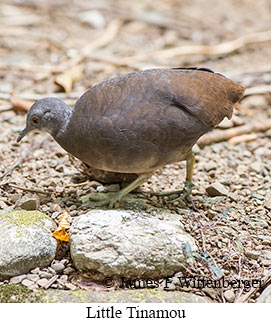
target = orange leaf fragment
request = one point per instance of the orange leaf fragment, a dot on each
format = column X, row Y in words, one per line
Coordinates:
column 61, row 234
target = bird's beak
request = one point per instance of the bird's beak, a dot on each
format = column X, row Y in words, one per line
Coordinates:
column 22, row 134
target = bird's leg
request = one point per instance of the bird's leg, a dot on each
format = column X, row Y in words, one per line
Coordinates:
column 119, row 195
column 188, row 185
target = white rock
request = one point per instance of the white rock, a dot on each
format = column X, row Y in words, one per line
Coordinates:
column 128, row 243
column 26, row 242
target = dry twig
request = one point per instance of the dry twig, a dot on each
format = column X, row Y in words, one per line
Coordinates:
column 219, row 49
column 32, row 190
column 221, row 135
column 242, row 138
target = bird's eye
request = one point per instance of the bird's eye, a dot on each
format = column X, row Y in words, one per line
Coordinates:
column 35, row 120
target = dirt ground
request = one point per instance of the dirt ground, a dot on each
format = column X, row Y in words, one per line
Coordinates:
column 41, row 40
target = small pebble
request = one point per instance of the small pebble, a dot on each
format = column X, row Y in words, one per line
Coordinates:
column 64, row 261
column 71, row 286
column 45, row 274
column 229, row 296
column 58, row 267
column 28, row 203
column 257, row 196
column 217, row 189
column 28, row 283
column 252, row 254
column 100, row 188
column 32, row 277
column 17, row 279
column 64, row 278
column 256, row 167
column 3, row 205
column 210, row 166
column 42, row 282
column 68, row 270
column 35, row 271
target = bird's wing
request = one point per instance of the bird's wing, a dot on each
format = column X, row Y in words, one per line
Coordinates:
column 206, row 95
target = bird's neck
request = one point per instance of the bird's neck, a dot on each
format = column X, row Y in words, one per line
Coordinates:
column 63, row 122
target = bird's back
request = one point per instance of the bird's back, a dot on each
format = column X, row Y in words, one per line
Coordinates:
column 141, row 121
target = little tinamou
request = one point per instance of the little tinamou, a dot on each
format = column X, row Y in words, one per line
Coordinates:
column 139, row 122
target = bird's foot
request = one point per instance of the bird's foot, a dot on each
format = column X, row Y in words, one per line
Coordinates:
column 186, row 195
column 112, row 202
column 186, row 192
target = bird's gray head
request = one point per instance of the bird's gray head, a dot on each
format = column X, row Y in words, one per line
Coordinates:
column 48, row 114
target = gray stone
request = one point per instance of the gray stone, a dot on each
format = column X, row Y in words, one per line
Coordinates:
column 217, row 189
column 265, row 297
column 128, row 243
column 26, row 242
column 58, row 267
column 28, row 203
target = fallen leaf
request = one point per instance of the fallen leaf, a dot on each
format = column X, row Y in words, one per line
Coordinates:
column 61, row 234
column 21, row 105
column 68, row 78
column 64, row 223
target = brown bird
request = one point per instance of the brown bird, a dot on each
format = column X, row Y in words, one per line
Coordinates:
column 139, row 122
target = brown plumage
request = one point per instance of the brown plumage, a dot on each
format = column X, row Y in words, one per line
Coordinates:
column 139, row 122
